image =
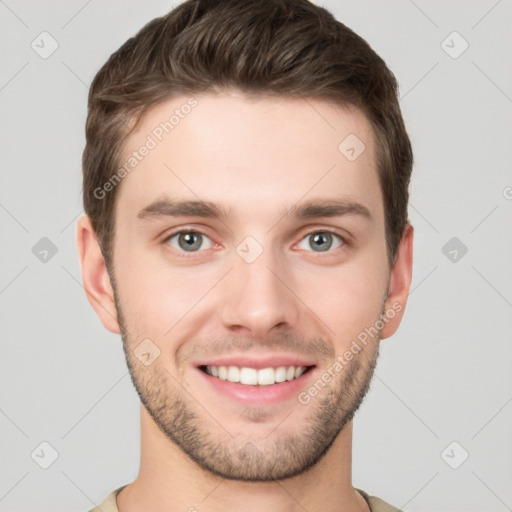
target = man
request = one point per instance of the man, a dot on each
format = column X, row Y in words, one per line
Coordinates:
column 246, row 179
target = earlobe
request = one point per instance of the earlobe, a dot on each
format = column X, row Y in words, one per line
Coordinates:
column 95, row 277
column 399, row 283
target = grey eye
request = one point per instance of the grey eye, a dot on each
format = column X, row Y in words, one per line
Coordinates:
column 321, row 241
column 189, row 241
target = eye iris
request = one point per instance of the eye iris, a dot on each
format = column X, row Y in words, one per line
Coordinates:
column 190, row 241
column 323, row 239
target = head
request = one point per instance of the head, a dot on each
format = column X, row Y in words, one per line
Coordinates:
column 270, row 134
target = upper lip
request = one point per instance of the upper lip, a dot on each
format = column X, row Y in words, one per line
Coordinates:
column 245, row 361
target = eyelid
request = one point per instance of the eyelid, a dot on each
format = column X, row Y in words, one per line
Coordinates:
column 169, row 233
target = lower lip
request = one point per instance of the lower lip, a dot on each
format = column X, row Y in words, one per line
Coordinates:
column 259, row 395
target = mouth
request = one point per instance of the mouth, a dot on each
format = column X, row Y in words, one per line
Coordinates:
column 257, row 380
column 249, row 376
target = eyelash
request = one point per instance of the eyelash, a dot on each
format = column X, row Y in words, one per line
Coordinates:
column 185, row 254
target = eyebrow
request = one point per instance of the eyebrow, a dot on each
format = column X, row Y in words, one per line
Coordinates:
column 207, row 209
column 173, row 208
column 328, row 208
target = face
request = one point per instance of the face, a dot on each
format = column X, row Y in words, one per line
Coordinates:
column 249, row 254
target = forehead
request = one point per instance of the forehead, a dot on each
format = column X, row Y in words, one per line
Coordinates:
column 250, row 153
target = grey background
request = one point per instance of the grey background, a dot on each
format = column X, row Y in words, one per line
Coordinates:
column 444, row 377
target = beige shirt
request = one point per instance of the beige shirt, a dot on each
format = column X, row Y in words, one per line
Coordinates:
column 375, row 504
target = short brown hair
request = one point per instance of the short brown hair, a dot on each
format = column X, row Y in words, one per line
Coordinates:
column 265, row 47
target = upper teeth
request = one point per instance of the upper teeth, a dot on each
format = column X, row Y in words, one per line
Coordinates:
column 252, row 376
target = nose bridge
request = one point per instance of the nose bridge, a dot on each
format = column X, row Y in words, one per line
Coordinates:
column 257, row 300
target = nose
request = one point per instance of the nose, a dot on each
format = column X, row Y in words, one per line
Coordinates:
column 258, row 298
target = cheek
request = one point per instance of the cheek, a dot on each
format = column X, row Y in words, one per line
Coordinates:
column 348, row 299
column 155, row 296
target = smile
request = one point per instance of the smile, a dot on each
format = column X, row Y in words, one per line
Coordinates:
column 255, row 377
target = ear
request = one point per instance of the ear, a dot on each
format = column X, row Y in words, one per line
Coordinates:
column 95, row 278
column 399, row 283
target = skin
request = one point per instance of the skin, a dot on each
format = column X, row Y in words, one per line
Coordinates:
column 258, row 158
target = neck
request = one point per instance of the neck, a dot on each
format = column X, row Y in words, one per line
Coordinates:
column 169, row 480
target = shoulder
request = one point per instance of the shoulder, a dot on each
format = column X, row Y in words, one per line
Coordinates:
column 109, row 504
column 376, row 504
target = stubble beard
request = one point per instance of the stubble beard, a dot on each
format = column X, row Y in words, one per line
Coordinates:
column 207, row 440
